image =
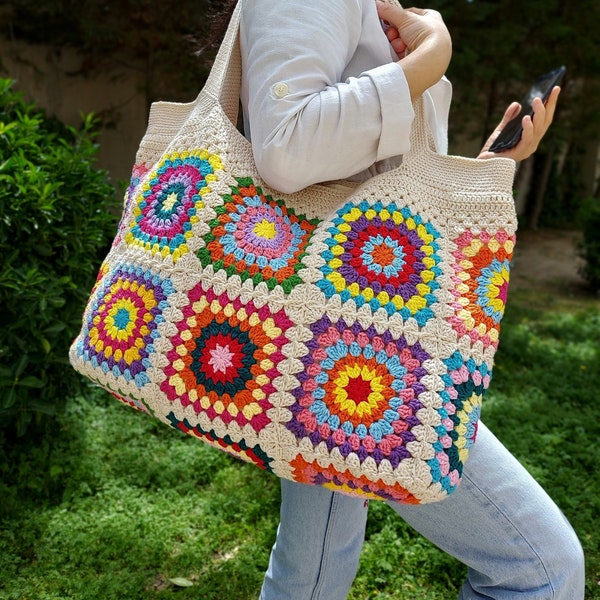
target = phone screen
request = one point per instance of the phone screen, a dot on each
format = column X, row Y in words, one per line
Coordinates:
column 541, row 88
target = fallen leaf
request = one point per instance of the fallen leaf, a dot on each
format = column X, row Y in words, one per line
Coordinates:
column 181, row 582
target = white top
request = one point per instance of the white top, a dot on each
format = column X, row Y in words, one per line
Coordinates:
column 322, row 95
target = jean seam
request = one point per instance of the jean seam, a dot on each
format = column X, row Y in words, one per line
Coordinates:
column 324, row 556
column 515, row 528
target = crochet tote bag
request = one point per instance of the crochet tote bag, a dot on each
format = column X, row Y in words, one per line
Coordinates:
column 338, row 338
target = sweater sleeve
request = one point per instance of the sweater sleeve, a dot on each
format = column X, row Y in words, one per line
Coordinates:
column 307, row 121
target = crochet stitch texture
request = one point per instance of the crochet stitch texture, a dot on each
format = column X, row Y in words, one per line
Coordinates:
column 334, row 338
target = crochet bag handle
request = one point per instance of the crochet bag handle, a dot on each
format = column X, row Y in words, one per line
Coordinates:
column 224, row 82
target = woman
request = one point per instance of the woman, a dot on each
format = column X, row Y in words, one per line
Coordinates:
column 327, row 93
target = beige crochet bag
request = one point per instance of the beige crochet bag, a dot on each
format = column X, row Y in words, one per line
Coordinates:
column 341, row 336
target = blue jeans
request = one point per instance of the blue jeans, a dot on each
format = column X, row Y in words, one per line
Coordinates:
column 499, row 522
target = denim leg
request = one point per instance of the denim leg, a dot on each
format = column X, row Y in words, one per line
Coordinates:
column 499, row 522
column 504, row 527
column 319, row 539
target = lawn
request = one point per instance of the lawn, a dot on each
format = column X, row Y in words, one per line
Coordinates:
column 111, row 505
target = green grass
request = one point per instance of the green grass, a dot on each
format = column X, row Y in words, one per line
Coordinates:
column 112, row 505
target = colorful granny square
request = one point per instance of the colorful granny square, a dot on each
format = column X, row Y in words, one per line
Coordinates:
column 481, row 266
column 257, row 238
column 359, row 392
column 347, row 483
column 466, row 382
column 225, row 357
column 168, row 200
column 383, row 256
column 121, row 325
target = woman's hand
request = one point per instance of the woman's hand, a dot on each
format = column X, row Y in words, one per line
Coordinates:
column 422, row 42
column 411, row 27
column 533, row 129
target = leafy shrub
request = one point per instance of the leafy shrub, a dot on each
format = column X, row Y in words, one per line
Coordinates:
column 589, row 248
column 55, row 225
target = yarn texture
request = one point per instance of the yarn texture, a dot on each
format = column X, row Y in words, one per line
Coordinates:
column 341, row 336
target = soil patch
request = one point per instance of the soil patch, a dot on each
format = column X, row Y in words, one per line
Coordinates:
column 548, row 259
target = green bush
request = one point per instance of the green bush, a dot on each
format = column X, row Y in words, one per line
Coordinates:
column 56, row 222
column 589, row 248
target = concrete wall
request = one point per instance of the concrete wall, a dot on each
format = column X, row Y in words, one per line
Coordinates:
column 56, row 80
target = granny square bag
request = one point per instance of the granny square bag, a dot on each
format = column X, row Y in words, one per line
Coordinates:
column 340, row 336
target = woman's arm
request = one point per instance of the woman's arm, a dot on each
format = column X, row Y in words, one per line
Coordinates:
column 306, row 124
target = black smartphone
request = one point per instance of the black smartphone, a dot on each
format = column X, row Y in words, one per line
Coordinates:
column 541, row 88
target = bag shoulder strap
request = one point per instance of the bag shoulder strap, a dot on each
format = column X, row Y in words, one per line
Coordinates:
column 224, row 80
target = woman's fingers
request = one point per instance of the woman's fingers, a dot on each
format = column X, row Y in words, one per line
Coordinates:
column 509, row 114
column 416, row 11
column 413, row 24
column 533, row 129
column 537, row 126
column 545, row 110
